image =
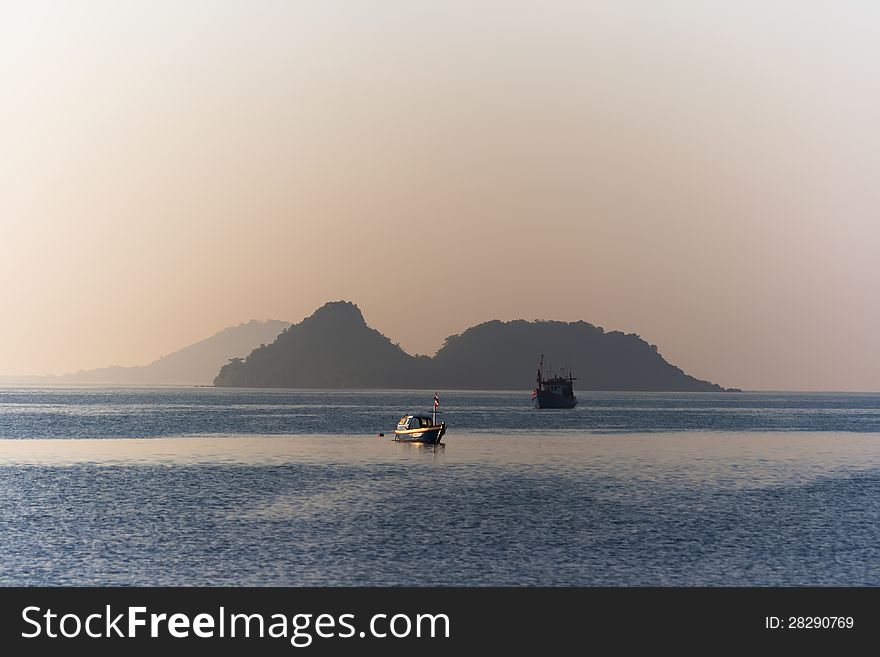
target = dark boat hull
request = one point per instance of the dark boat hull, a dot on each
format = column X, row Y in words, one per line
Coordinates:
column 427, row 436
column 544, row 399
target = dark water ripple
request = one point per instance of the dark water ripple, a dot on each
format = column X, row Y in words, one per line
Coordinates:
column 145, row 412
column 294, row 488
column 349, row 525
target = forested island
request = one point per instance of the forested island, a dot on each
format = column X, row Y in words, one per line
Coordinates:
column 335, row 348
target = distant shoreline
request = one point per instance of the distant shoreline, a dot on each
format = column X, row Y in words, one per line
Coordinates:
column 12, row 382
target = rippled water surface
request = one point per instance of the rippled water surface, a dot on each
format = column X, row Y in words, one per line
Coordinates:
column 203, row 486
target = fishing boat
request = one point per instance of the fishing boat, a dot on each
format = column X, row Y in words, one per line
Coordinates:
column 421, row 428
column 555, row 392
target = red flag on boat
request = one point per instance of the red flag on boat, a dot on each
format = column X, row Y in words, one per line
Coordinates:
column 436, row 400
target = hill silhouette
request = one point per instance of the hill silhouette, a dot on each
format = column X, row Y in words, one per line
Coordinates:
column 334, row 348
column 196, row 364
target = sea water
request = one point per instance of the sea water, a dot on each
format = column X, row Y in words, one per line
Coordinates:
column 203, row 486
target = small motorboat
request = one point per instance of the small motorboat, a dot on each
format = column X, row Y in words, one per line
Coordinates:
column 421, row 428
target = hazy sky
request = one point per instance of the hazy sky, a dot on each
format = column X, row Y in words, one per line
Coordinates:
column 702, row 173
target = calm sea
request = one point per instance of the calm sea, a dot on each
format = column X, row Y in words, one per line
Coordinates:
column 202, row 486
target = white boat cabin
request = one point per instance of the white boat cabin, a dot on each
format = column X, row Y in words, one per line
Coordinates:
column 414, row 422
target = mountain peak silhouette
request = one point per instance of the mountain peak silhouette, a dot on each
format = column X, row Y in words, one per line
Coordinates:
column 335, row 348
column 338, row 311
column 195, row 364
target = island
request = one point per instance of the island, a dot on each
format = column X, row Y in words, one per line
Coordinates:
column 335, row 348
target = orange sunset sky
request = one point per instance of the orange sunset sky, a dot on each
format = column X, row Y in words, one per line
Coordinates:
column 702, row 173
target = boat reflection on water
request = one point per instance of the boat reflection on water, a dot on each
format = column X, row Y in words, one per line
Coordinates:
column 434, row 449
